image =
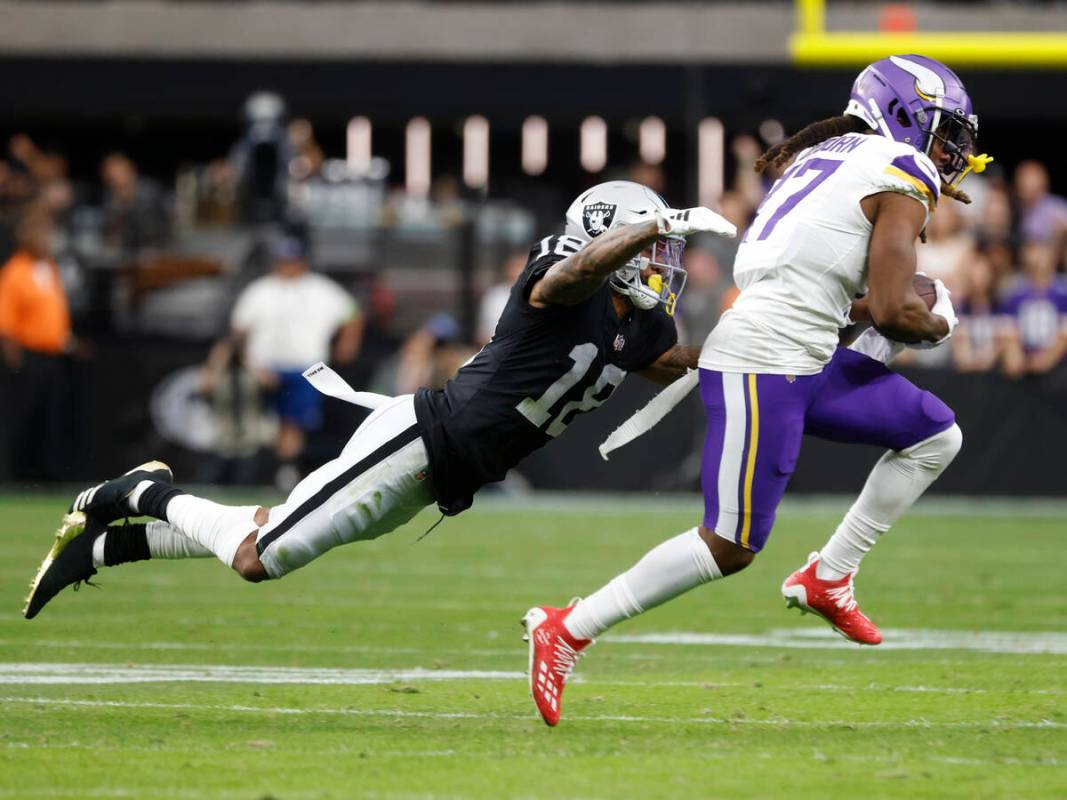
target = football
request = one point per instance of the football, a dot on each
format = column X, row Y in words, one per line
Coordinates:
column 924, row 287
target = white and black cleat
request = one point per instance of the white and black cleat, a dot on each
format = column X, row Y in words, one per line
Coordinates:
column 106, row 502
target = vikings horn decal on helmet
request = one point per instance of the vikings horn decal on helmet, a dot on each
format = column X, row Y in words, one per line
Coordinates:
column 915, row 100
column 614, row 204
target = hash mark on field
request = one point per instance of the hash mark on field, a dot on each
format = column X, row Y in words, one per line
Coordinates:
column 995, row 724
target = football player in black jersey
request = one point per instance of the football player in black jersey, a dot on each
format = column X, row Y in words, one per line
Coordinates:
column 591, row 306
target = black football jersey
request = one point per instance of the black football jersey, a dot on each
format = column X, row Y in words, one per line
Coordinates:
column 542, row 368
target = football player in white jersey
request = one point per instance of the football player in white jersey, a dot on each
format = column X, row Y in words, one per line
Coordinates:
column 841, row 221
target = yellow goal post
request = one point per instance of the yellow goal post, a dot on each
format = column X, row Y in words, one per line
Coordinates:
column 811, row 45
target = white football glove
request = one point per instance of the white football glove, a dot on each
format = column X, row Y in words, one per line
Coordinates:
column 943, row 308
column 687, row 221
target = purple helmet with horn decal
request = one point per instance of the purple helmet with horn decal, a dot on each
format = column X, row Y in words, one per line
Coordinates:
column 917, row 100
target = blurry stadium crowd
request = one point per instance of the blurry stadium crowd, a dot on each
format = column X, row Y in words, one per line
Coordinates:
column 1003, row 257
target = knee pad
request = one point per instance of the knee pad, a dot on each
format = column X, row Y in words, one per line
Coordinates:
column 937, row 452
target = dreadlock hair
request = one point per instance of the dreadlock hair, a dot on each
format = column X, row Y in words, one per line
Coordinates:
column 956, row 194
column 778, row 155
column 813, row 134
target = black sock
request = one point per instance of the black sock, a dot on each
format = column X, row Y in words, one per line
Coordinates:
column 126, row 543
column 153, row 501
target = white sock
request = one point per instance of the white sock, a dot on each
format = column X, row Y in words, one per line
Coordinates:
column 164, row 541
column 666, row 571
column 218, row 528
column 98, row 551
column 135, row 496
column 895, row 483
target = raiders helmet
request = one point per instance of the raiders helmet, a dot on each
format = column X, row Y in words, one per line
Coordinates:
column 611, row 205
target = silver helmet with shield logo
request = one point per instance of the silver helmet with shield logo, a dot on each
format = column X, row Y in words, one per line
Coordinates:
column 611, row 205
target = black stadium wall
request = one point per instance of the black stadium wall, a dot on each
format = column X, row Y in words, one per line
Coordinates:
column 1015, row 433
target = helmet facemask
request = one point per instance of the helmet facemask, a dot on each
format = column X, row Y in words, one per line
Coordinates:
column 666, row 282
column 958, row 135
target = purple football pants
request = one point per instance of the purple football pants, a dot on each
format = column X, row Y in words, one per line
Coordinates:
column 756, row 421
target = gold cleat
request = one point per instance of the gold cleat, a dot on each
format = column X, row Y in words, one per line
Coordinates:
column 72, row 526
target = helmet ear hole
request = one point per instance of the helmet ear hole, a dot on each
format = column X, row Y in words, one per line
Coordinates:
column 902, row 118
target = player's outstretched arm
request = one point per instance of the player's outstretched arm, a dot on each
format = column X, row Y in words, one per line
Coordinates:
column 576, row 277
column 572, row 280
column 894, row 308
column 673, row 364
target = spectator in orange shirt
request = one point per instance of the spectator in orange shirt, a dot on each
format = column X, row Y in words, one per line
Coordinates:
column 35, row 335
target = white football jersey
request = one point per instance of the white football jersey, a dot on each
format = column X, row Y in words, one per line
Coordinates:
column 804, row 258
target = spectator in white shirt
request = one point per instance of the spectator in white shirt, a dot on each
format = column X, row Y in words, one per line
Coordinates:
column 285, row 322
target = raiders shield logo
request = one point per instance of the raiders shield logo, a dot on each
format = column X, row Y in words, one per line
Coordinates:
column 597, row 217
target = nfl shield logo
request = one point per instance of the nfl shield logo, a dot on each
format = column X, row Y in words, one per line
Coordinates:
column 597, row 217
column 620, row 342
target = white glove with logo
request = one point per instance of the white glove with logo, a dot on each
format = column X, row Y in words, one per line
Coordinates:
column 943, row 308
column 687, row 221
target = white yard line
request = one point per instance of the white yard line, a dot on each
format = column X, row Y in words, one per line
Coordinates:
column 214, row 647
column 991, row 724
column 88, row 674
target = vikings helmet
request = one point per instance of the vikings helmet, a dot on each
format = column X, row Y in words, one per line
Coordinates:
column 616, row 203
column 915, row 100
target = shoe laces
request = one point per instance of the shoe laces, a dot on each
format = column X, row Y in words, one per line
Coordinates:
column 843, row 596
column 564, row 658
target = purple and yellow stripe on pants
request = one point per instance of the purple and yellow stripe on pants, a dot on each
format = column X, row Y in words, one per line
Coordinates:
column 737, row 460
column 756, row 423
column 740, row 475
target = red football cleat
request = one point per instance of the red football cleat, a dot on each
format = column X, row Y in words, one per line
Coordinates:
column 553, row 654
column 834, row 601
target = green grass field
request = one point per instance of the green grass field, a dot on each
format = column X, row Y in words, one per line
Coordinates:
column 394, row 669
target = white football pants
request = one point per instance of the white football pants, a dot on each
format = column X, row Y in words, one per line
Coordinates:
column 379, row 481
